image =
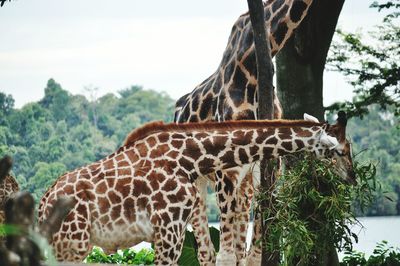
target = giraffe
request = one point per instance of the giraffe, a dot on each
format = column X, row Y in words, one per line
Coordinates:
column 145, row 191
column 230, row 93
column 8, row 184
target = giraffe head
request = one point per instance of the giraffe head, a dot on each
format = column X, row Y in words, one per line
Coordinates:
column 5, row 167
column 335, row 146
column 6, row 181
column 8, row 185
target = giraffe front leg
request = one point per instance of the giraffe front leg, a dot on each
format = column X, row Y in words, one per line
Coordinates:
column 225, row 188
column 168, row 240
column 244, row 196
column 199, row 222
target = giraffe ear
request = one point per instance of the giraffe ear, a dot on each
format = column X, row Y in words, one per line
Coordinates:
column 310, row 118
column 329, row 141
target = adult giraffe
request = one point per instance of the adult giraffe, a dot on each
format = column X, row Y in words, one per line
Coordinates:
column 230, row 93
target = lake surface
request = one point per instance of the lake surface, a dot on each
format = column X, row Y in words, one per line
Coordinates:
column 374, row 230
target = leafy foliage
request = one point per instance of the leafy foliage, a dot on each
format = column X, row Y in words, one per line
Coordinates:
column 313, row 208
column 146, row 256
column 373, row 68
column 383, row 255
column 126, row 256
column 376, row 138
column 189, row 249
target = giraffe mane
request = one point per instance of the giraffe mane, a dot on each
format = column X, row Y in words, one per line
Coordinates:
column 143, row 131
column 159, row 126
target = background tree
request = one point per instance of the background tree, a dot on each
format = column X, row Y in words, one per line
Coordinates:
column 300, row 67
column 372, row 67
column 265, row 73
column 57, row 134
column 2, row 2
column 301, row 63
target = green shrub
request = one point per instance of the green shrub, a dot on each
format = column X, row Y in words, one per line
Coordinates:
column 383, row 255
column 126, row 256
column 146, row 256
column 313, row 210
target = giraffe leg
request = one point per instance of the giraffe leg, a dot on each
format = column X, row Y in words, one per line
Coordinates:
column 254, row 255
column 168, row 240
column 199, row 222
column 225, row 188
column 72, row 241
column 244, row 196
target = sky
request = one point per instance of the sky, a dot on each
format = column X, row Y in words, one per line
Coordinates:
column 163, row 45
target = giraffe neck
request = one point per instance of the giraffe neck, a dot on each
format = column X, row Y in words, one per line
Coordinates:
column 8, row 186
column 282, row 18
column 205, row 152
column 230, row 93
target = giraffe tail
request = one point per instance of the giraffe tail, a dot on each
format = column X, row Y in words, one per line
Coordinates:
column 56, row 216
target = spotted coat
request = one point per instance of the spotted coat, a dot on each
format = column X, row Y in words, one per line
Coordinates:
column 145, row 191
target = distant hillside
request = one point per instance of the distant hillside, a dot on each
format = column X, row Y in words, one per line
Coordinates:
column 64, row 131
column 376, row 138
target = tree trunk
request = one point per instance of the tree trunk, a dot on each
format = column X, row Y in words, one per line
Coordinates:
column 301, row 63
column 300, row 68
column 265, row 73
column 265, row 67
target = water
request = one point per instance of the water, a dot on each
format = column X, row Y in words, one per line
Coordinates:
column 375, row 230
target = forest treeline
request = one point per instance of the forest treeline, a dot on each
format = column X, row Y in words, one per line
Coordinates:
column 64, row 131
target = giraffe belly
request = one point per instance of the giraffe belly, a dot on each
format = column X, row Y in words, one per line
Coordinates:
column 253, row 168
column 117, row 235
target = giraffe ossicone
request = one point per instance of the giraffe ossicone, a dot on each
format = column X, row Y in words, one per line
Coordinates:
column 145, row 191
column 310, row 118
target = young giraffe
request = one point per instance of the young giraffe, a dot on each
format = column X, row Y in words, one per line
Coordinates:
column 145, row 191
column 8, row 184
column 231, row 94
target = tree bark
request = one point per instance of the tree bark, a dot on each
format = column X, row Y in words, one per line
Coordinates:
column 300, row 68
column 265, row 67
column 265, row 73
column 301, row 63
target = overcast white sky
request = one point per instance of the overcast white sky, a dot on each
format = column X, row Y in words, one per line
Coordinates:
column 164, row 45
